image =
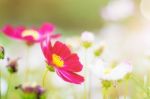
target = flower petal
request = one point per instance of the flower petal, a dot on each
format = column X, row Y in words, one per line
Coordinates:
column 61, row 49
column 47, row 49
column 72, row 63
column 46, row 28
column 120, row 71
column 13, row 32
column 55, row 35
column 70, row 76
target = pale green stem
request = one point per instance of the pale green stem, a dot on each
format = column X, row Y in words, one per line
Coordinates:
column 90, row 83
column 9, row 85
column 85, row 73
column 105, row 92
column 73, row 92
column 44, row 77
column 141, row 86
column 126, row 90
column 27, row 63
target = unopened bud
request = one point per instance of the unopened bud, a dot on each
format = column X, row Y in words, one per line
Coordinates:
column 98, row 52
column 12, row 65
column 106, row 84
column 31, row 88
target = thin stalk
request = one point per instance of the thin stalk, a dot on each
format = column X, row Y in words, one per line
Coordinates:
column 85, row 73
column 140, row 85
column 27, row 63
column 105, row 92
column 44, row 77
column 126, row 89
column 9, row 85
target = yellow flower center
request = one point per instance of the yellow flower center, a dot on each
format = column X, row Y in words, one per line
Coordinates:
column 57, row 60
column 32, row 33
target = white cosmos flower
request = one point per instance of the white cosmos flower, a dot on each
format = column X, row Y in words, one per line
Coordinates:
column 145, row 9
column 118, row 9
column 87, row 37
column 105, row 72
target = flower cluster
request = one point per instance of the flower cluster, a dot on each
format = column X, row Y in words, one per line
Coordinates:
column 58, row 57
column 30, row 35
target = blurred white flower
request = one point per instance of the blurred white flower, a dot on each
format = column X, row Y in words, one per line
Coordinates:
column 87, row 39
column 118, row 9
column 4, row 86
column 105, row 72
column 145, row 8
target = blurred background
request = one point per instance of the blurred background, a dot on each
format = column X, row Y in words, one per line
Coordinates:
column 124, row 25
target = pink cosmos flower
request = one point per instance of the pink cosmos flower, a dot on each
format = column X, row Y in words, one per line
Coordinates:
column 65, row 63
column 30, row 35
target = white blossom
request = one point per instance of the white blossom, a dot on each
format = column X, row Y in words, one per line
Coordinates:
column 105, row 72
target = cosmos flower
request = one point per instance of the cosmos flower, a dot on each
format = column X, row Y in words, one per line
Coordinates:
column 87, row 39
column 105, row 72
column 65, row 63
column 112, row 11
column 30, row 35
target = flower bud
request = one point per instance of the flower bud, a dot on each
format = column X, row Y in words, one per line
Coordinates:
column 87, row 39
column 35, row 89
column 98, row 52
column 106, row 84
column 2, row 52
column 12, row 65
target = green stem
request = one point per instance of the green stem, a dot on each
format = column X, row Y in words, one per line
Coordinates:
column 9, row 85
column 140, row 85
column 126, row 90
column 105, row 92
column 44, row 77
column 73, row 92
column 90, row 83
column 85, row 73
column 27, row 63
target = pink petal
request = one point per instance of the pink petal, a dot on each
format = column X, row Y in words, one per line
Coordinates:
column 55, row 35
column 61, row 50
column 70, row 76
column 72, row 63
column 13, row 32
column 47, row 28
column 47, row 49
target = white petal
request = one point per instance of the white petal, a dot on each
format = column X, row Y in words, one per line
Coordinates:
column 112, row 10
column 87, row 37
column 120, row 71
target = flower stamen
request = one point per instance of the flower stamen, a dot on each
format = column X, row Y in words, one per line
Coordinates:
column 57, row 60
column 32, row 33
